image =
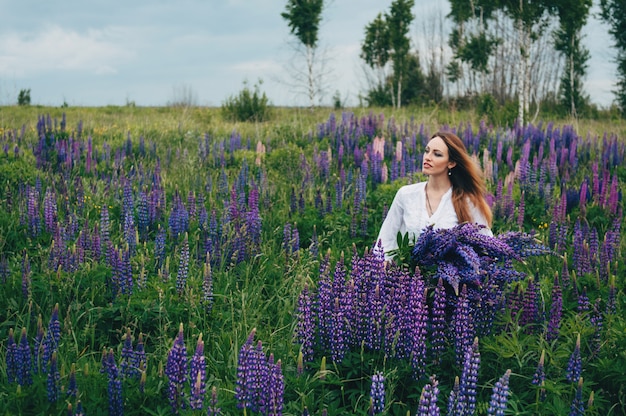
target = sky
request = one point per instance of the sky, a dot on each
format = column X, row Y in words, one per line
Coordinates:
column 153, row 52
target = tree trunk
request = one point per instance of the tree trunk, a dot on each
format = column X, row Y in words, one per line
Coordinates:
column 311, row 78
column 521, row 72
column 571, row 78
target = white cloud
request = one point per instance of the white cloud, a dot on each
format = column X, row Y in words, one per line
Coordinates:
column 56, row 48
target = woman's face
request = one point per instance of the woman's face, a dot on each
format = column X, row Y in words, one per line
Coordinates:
column 436, row 159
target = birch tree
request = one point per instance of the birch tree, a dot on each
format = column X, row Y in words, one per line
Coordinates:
column 303, row 18
column 530, row 19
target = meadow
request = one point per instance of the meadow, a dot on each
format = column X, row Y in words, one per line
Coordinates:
column 158, row 261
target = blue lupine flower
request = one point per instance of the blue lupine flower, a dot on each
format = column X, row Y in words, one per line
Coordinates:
column 578, row 406
column 305, row 329
column 469, row 380
column 11, row 358
column 114, row 387
column 213, row 410
column 377, row 394
column 243, row 392
column 176, row 371
column 53, row 380
column 53, row 335
column 183, row 267
column 72, row 388
column 428, row 399
column 198, row 376
column 500, row 396
column 574, row 365
column 24, row 361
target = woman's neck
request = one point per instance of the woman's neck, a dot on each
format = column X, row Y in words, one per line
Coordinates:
column 439, row 183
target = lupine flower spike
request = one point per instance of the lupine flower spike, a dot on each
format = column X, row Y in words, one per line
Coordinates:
column 377, row 394
column 500, row 395
column 574, row 365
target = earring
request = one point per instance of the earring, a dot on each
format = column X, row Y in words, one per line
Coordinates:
column 449, row 172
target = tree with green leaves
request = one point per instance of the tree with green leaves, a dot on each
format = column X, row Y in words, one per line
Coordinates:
column 531, row 18
column 573, row 16
column 472, row 45
column 303, row 18
column 399, row 20
column 614, row 13
column 375, row 50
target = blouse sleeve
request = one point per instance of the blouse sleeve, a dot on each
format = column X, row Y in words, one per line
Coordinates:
column 388, row 234
column 480, row 219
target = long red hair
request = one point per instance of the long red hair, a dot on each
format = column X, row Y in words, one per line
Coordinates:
column 467, row 180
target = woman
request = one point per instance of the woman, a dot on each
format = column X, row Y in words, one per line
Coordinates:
column 454, row 193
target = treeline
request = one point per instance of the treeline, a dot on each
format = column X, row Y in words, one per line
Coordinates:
column 498, row 52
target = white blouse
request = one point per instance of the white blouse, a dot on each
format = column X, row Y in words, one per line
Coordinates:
column 408, row 213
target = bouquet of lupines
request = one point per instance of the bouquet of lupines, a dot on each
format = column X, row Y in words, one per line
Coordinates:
column 463, row 255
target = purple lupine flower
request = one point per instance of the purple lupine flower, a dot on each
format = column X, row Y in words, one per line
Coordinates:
column 556, row 311
column 337, row 335
column 11, row 359
column 207, row 286
column 453, row 400
column 213, row 410
column 176, row 371
column 438, row 321
column 32, row 210
column 275, row 388
column 539, row 378
column 583, row 301
column 72, row 388
column 53, row 335
column 530, row 309
column 464, row 331
column 50, row 211
column 53, row 380
column 574, row 365
column 243, row 392
column 469, row 380
column 183, row 267
column 578, row 405
column 105, row 227
column 79, row 409
column 24, row 361
column 128, row 356
column 305, row 328
column 143, row 216
column 611, row 303
column 139, row 359
column 159, row 247
column 198, row 376
column 417, row 315
column 130, row 231
column 500, row 396
column 257, row 378
column 377, row 394
column 428, row 399
column 114, row 387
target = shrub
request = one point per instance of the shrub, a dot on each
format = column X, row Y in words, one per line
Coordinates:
column 23, row 98
column 249, row 105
